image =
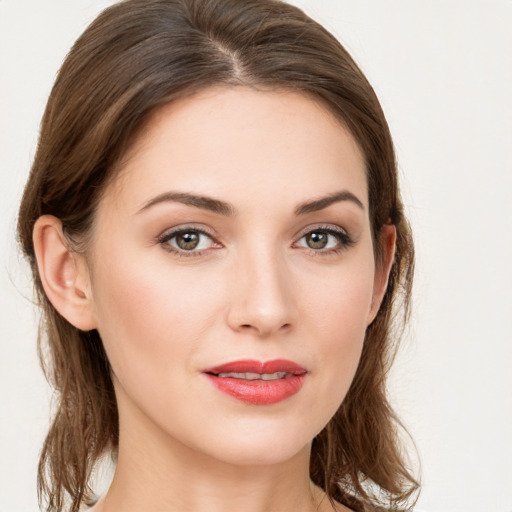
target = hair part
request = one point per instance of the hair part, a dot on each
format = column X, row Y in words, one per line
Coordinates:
column 135, row 57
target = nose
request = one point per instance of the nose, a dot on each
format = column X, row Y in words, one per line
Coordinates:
column 262, row 298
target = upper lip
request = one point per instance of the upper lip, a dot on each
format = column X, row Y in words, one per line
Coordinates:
column 253, row 366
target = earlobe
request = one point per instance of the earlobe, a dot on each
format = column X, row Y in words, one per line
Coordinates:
column 383, row 268
column 63, row 273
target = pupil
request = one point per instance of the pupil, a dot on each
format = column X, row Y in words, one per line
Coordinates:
column 317, row 240
column 187, row 241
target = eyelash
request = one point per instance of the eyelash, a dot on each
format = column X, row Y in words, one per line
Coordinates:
column 167, row 237
column 345, row 241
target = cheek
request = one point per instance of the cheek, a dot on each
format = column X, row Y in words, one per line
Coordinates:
column 150, row 315
column 337, row 313
column 340, row 301
column 157, row 319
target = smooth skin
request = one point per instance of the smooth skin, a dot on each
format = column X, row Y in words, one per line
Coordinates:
column 211, row 246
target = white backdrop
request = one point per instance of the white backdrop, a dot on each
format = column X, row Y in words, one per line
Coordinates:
column 443, row 72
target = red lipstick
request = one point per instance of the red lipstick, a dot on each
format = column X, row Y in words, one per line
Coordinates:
column 256, row 382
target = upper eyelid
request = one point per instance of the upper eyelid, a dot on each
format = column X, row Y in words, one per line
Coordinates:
column 171, row 232
column 322, row 227
column 167, row 235
column 345, row 239
column 209, row 231
column 164, row 240
column 304, row 231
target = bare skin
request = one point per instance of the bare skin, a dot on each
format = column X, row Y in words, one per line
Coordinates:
column 275, row 274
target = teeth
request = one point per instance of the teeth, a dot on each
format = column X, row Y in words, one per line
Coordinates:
column 254, row 376
column 273, row 376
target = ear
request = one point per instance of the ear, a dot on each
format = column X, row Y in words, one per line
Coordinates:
column 64, row 274
column 387, row 240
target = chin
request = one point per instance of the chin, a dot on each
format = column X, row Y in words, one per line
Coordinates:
column 260, row 452
column 257, row 442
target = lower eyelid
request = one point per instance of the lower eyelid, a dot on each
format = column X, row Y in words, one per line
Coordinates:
column 164, row 241
column 168, row 235
column 344, row 240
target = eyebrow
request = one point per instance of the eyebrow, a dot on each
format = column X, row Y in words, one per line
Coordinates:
column 223, row 208
column 324, row 202
column 203, row 202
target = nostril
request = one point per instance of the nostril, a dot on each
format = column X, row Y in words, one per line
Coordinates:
column 246, row 327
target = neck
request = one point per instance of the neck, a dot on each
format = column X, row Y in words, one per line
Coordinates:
column 157, row 473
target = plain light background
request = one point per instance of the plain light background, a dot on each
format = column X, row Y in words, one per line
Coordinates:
column 443, row 72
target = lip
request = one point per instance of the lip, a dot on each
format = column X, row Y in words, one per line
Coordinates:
column 258, row 392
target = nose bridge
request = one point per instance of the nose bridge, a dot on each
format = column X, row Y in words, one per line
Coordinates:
column 262, row 295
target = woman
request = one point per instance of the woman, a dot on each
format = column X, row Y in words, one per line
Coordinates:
column 219, row 248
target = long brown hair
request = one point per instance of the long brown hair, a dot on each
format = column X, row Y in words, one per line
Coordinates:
column 136, row 56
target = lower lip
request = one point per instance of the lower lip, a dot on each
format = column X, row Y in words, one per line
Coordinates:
column 258, row 392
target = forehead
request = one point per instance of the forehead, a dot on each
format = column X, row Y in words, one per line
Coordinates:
column 238, row 143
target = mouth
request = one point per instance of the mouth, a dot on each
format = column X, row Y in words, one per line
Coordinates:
column 256, row 382
column 254, row 376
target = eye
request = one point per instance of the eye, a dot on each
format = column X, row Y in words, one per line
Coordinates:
column 325, row 240
column 187, row 240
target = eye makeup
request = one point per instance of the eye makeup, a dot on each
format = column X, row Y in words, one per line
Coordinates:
column 188, row 241
column 192, row 241
column 325, row 240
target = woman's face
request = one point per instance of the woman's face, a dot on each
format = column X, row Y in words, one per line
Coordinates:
column 237, row 233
